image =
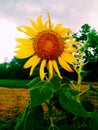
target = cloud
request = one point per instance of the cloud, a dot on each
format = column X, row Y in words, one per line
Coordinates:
column 71, row 13
column 7, row 39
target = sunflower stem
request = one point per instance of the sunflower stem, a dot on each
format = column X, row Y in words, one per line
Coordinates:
column 79, row 81
column 50, row 107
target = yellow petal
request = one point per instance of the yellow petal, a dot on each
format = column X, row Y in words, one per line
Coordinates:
column 30, row 61
column 65, row 30
column 65, row 36
column 40, row 24
column 42, row 66
column 35, row 63
column 50, row 69
column 69, row 48
column 27, row 30
column 70, row 39
column 45, row 26
column 69, row 58
column 57, row 27
column 74, row 42
column 49, row 20
column 24, row 53
column 56, row 68
column 35, row 26
column 24, row 40
column 64, row 64
column 24, row 46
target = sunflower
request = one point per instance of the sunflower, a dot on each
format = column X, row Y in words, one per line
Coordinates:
column 48, row 45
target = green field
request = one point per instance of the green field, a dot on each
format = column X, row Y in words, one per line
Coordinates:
column 11, row 83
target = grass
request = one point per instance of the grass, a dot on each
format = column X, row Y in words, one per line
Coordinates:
column 10, row 83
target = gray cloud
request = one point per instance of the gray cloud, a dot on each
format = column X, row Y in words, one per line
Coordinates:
column 72, row 13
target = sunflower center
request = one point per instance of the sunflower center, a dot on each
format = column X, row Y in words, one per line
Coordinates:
column 48, row 45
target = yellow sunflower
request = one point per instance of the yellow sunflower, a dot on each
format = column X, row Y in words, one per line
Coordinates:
column 48, row 45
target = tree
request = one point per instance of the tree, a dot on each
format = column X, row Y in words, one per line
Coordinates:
column 88, row 39
column 14, row 70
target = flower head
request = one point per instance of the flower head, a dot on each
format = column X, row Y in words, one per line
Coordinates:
column 48, row 45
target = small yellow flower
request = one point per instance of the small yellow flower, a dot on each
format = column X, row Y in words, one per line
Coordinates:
column 46, row 44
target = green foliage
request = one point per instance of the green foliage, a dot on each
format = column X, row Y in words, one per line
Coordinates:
column 93, row 46
column 40, row 91
column 30, row 119
column 7, row 124
column 88, row 53
column 63, row 110
column 71, row 105
column 94, row 121
column 55, row 83
column 88, row 38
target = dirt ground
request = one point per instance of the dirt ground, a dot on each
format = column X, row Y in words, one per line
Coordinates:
column 13, row 101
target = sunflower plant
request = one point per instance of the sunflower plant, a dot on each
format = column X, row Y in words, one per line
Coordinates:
column 54, row 99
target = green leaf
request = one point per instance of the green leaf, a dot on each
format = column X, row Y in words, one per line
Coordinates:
column 72, row 106
column 94, row 115
column 83, row 73
column 33, row 82
column 73, row 92
column 40, row 92
column 54, row 127
column 55, row 81
column 94, row 123
column 30, row 119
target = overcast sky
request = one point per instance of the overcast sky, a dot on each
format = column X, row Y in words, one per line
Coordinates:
column 72, row 13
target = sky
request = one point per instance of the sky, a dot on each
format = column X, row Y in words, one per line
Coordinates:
column 14, row 13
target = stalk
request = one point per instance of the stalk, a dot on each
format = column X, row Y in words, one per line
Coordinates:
column 79, row 77
column 79, row 70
